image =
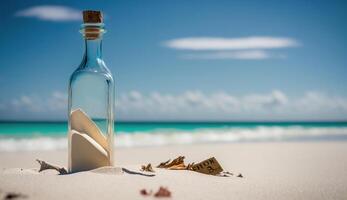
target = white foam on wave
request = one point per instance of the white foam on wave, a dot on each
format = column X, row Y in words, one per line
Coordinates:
column 32, row 144
column 171, row 137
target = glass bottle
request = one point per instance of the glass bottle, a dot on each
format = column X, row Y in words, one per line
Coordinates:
column 91, row 103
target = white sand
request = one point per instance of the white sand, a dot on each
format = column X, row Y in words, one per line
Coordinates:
column 271, row 171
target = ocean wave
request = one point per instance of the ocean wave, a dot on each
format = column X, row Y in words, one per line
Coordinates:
column 173, row 136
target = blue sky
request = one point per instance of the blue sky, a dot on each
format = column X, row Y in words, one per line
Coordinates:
column 182, row 60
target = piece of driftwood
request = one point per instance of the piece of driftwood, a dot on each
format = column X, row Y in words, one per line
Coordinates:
column 228, row 174
column 46, row 166
column 225, row 174
column 147, row 168
column 13, row 195
column 136, row 173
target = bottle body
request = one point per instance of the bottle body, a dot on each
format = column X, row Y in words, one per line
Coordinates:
column 90, row 112
column 93, row 93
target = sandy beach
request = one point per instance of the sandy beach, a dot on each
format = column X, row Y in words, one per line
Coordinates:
column 176, row 100
column 301, row 170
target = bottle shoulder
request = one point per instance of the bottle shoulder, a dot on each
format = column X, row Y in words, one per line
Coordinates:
column 84, row 73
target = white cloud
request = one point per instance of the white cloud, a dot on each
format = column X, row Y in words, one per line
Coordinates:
column 27, row 103
column 51, row 13
column 312, row 101
column 197, row 102
column 194, row 105
column 238, row 55
column 57, row 101
column 216, row 43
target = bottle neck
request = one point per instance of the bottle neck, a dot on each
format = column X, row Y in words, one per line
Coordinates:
column 93, row 50
column 92, row 34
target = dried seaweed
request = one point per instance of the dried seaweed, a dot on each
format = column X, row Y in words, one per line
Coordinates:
column 46, row 166
column 163, row 164
column 147, row 168
column 190, row 166
column 211, row 164
column 176, row 164
column 163, row 192
column 168, row 164
column 144, row 192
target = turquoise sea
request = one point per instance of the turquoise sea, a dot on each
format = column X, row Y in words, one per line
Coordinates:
column 25, row 136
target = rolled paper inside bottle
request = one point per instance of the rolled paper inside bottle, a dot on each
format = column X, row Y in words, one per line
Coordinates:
column 89, row 147
column 86, row 153
column 82, row 123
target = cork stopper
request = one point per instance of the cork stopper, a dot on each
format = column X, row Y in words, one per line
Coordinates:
column 93, row 24
column 92, row 16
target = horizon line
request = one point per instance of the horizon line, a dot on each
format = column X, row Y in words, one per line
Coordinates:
column 187, row 121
